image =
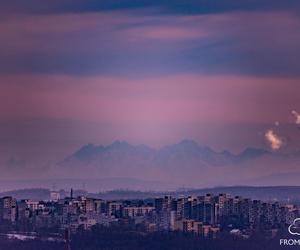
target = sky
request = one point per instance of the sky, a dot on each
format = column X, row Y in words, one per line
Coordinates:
column 224, row 73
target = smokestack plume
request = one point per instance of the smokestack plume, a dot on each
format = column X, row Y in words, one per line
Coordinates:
column 297, row 116
column 273, row 139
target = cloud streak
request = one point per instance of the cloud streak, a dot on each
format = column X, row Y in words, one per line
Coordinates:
column 162, row 7
column 135, row 43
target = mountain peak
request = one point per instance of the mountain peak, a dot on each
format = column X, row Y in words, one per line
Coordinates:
column 250, row 150
column 87, row 150
column 188, row 142
column 185, row 153
column 119, row 143
column 252, row 153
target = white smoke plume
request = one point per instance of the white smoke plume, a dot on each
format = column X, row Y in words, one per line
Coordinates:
column 297, row 116
column 274, row 140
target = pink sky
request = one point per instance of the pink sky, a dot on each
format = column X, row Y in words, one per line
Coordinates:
column 176, row 98
column 69, row 78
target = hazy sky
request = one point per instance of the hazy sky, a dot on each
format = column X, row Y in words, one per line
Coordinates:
column 147, row 71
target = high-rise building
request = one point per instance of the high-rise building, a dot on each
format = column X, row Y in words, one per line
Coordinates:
column 8, row 209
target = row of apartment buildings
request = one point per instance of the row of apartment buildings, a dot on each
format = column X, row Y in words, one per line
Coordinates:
column 204, row 215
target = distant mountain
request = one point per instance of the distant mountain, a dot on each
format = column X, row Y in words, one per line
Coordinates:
column 185, row 163
column 188, row 153
column 184, row 153
column 91, row 152
column 251, row 153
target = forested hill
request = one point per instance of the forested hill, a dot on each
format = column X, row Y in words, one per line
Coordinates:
column 274, row 193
